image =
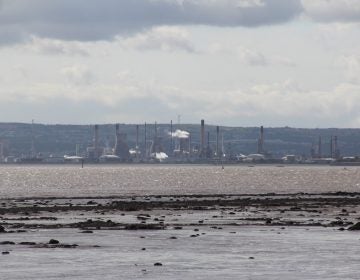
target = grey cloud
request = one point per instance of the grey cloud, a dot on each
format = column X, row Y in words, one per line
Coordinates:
column 163, row 38
column 87, row 20
column 332, row 10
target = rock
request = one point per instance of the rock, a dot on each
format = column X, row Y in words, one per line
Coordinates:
column 355, row 227
column 173, row 237
column 27, row 243
column 178, row 227
column 143, row 249
column 87, row 231
column 54, row 241
column 143, row 227
column 2, row 229
column 5, row 253
column 68, row 246
column 336, row 223
column 7, row 243
column 158, row 264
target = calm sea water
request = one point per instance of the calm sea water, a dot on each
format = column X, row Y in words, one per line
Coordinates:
column 109, row 180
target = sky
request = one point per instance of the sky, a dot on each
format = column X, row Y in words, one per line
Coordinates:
column 231, row 62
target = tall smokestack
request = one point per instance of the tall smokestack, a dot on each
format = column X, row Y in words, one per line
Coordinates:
column 190, row 144
column 117, row 131
column 331, row 147
column 337, row 152
column 261, row 141
column 171, row 138
column 202, row 137
column 96, row 141
column 145, row 142
column 262, row 138
column 137, row 137
column 217, row 140
column 32, row 149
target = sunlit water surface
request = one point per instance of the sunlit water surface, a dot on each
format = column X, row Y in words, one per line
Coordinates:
column 117, row 180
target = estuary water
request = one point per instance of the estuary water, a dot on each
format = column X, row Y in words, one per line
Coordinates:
column 123, row 180
column 232, row 251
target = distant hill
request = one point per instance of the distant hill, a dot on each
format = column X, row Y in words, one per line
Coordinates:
column 62, row 139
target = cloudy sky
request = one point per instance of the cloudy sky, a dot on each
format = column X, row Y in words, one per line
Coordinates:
column 232, row 62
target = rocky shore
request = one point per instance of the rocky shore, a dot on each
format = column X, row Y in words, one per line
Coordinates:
column 340, row 210
column 157, row 236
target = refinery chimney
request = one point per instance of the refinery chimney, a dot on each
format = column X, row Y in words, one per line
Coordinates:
column 202, row 138
column 336, row 149
column 217, row 140
column 137, row 137
column 319, row 148
column 145, row 141
column 96, row 141
column 261, row 141
column 331, row 147
column 171, row 138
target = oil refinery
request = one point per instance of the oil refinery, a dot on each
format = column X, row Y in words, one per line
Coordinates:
column 154, row 143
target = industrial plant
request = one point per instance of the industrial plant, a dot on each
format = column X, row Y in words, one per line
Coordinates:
column 172, row 143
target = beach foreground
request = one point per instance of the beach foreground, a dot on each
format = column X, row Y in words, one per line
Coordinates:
column 264, row 236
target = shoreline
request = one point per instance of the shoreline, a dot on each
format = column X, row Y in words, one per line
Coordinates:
column 328, row 209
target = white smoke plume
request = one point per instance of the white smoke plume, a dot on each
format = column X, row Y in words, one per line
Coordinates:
column 180, row 134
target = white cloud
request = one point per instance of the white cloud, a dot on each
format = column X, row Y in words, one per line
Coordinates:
column 52, row 46
column 351, row 66
column 78, row 74
column 332, row 10
column 249, row 56
column 165, row 38
column 276, row 104
column 250, row 3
